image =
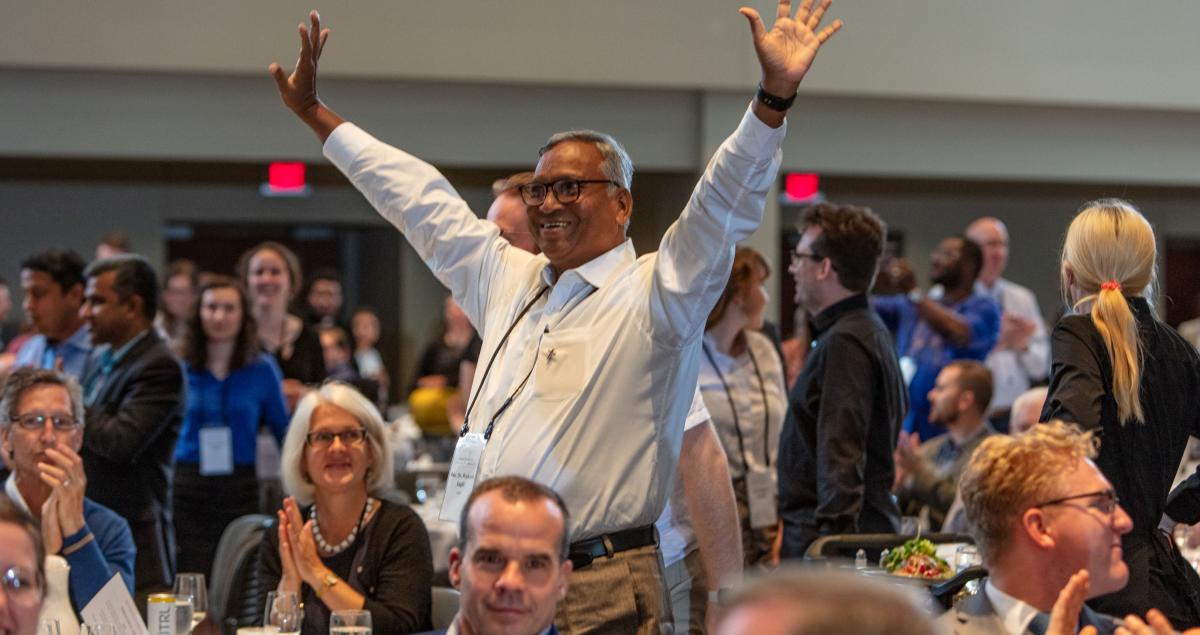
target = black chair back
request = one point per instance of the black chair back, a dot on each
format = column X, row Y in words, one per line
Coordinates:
column 235, row 593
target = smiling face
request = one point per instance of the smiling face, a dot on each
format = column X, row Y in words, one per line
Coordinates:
column 178, row 296
column 511, row 576
column 945, row 263
column 992, row 236
column 1086, row 537
column 268, row 279
column 573, row 234
column 18, row 610
column 341, row 467
column 221, row 314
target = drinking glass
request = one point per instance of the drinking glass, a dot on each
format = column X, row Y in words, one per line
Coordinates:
column 350, row 623
column 48, row 626
column 283, row 612
column 97, row 629
column 190, row 586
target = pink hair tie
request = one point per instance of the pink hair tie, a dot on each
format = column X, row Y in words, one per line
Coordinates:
column 1111, row 285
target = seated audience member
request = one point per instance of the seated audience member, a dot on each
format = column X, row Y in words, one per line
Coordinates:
column 176, row 301
column 1040, row 511
column 233, row 391
column 1027, row 410
column 1021, row 356
column 790, row 602
column 511, row 564
column 433, row 392
column 349, row 548
column 339, row 363
column 42, row 430
column 271, row 274
column 323, row 299
column 364, row 326
column 22, row 572
column 134, row 394
column 5, row 310
column 927, row 473
column 52, row 286
column 951, row 321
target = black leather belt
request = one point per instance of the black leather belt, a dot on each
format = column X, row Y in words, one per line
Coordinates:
column 583, row 552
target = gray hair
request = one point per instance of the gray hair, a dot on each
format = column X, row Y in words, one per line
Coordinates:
column 296, row 481
column 23, row 379
column 615, row 164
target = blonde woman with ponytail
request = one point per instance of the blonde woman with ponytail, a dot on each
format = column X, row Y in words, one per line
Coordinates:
column 1120, row 372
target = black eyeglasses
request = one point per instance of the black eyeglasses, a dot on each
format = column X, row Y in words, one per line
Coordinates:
column 798, row 255
column 565, row 190
column 37, row 421
column 322, row 440
column 1107, row 502
column 20, row 585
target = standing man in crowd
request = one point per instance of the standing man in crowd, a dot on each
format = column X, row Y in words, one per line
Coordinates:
column 1040, row 511
column 586, row 320
column 135, row 397
column 41, row 430
column 927, row 473
column 1021, row 356
column 52, row 286
column 950, row 321
column 835, row 450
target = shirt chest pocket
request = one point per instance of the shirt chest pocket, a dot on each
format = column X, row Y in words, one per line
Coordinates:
column 561, row 366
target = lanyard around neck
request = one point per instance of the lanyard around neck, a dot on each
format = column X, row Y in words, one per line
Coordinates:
column 762, row 387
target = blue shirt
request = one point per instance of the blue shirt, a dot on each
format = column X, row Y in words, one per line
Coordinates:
column 247, row 398
column 929, row 352
column 38, row 352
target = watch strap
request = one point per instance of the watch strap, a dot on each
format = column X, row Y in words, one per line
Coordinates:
column 774, row 102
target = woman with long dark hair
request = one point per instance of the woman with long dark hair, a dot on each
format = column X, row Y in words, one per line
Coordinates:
column 1132, row 380
column 233, row 389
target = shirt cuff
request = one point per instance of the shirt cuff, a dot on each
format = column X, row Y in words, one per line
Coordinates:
column 344, row 144
column 757, row 139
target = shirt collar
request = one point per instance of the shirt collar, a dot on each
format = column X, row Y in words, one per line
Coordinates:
column 10, row 488
column 81, row 339
column 1015, row 613
column 453, row 630
column 120, row 353
column 825, row 319
column 599, row 269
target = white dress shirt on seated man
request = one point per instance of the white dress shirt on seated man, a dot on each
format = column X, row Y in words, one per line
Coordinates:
column 611, row 351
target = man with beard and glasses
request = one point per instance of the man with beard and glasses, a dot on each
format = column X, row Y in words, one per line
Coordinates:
column 933, row 328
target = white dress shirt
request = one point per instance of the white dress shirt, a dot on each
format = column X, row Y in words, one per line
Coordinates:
column 1013, row 372
column 1015, row 614
column 676, row 537
column 611, row 352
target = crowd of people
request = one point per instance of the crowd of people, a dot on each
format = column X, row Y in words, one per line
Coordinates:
column 634, row 449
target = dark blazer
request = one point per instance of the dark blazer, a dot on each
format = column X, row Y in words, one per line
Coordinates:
column 129, row 447
column 976, row 616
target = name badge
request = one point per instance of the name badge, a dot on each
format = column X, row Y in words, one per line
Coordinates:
column 216, row 450
column 461, row 479
column 761, row 493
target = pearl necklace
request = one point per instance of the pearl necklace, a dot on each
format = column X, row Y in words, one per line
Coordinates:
column 343, row 545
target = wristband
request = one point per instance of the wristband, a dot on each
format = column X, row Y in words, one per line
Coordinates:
column 774, row 102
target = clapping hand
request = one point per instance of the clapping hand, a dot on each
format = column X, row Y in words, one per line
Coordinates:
column 64, row 474
column 786, row 52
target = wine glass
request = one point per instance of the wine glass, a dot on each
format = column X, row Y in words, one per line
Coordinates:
column 350, row 623
column 190, row 591
column 283, row 612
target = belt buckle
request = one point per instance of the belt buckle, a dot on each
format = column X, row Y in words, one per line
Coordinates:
column 580, row 559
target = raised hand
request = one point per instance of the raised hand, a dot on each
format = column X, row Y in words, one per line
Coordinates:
column 299, row 90
column 786, row 52
column 1065, row 614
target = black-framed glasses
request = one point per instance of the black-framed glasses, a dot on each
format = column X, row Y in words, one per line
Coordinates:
column 565, row 190
column 1107, row 501
column 21, row 586
column 322, row 440
column 37, row 421
column 799, row 255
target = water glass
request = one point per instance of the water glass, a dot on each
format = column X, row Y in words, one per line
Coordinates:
column 97, row 629
column 965, row 557
column 283, row 612
column 350, row 623
column 190, row 586
column 48, row 626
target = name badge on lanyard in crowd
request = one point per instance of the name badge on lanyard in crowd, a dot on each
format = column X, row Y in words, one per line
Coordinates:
column 216, row 450
column 461, row 480
column 760, row 495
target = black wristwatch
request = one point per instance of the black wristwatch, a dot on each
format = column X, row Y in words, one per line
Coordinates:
column 774, row 102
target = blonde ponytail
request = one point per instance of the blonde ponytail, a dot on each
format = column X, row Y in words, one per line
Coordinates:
column 1111, row 252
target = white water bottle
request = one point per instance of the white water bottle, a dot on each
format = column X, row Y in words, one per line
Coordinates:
column 57, row 604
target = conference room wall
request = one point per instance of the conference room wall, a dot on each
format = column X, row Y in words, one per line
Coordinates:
column 1104, row 53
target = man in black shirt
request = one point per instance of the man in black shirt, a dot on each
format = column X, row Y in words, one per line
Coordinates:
column 835, row 451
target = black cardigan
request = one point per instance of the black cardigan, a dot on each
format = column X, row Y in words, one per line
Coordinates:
column 393, row 570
